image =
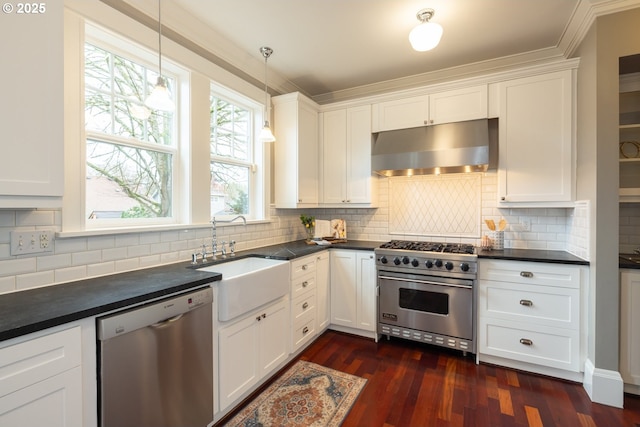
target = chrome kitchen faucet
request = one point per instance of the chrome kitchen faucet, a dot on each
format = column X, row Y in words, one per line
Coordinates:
column 214, row 242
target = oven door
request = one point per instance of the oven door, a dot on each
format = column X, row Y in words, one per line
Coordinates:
column 426, row 303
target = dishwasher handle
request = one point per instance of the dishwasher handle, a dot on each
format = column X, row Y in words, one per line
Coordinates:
column 156, row 314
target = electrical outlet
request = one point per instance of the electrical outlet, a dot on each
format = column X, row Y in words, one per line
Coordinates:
column 31, row 242
column 525, row 224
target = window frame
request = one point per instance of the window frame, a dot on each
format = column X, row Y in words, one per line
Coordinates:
column 256, row 199
column 192, row 189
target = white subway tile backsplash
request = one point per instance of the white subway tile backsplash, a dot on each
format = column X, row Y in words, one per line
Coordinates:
column 101, row 269
column 70, row 274
column 33, row 280
column 52, row 262
column 81, row 257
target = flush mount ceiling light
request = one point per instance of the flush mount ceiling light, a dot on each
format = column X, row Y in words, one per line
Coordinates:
column 160, row 99
column 266, row 135
column 427, row 34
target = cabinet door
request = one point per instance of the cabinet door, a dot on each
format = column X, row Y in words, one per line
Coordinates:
column 296, row 151
column 536, row 139
column 458, row 105
column 334, row 168
column 53, row 402
column 31, row 111
column 274, row 347
column 629, row 332
column 358, row 152
column 401, row 113
column 308, row 155
column 366, row 284
column 238, row 346
column 323, row 291
column 343, row 288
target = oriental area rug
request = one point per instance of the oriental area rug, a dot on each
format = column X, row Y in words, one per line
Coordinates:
column 306, row 395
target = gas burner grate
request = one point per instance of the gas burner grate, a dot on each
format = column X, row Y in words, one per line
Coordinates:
column 429, row 247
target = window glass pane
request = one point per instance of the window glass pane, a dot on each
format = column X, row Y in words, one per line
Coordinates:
column 97, row 74
column 229, row 189
column 230, row 130
column 126, row 182
column 97, row 111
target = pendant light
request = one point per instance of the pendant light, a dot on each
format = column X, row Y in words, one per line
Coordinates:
column 160, row 99
column 427, row 34
column 266, row 135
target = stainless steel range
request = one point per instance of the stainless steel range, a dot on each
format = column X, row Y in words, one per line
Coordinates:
column 427, row 292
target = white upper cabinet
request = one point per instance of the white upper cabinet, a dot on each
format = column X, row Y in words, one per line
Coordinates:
column 346, row 158
column 31, row 111
column 440, row 107
column 296, row 151
column 536, row 134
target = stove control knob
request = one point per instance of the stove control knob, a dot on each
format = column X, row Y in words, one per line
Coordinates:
column 415, row 262
column 383, row 259
column 449, row 265
column 396, row 261
column 464, row 266
column 429, row 264
column 438, row 263
column 405, row 260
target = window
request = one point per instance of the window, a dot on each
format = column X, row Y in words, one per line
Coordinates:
column 131, row 152
column 233, row 166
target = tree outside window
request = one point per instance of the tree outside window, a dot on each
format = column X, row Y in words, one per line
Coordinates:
column 130, row 150
column 231, row 157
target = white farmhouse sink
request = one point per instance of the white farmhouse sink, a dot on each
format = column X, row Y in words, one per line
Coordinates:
column 248, row 283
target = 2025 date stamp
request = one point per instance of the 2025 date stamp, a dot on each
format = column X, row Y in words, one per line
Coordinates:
column 24, row 8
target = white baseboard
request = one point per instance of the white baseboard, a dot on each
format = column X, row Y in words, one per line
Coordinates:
column 603, row 386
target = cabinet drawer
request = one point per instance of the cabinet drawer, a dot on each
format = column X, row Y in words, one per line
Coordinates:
column 535, row 273
column 32, row 361
column 302, row 284
column 304, row 332
column 303, row 304
column 303, row 266
column 540, row 305
column 542, row 345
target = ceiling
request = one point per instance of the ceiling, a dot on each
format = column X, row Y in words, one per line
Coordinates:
column 336, row 49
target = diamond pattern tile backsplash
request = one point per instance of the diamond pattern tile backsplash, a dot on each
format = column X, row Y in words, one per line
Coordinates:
column 444, row 205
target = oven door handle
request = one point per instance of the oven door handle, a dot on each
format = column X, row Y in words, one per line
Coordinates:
column 425, row 282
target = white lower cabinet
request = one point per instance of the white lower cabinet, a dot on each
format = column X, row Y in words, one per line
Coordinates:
column 353, row 291
column 251, row 348
column 530, row 313
column 629, row 332
column 41, row 381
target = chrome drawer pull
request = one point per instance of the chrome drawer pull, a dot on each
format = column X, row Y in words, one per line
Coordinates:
column 305, row 284
column 526, row 302
column 305, row 305
column 526, row 341
column 305, row 330
column 526, row 274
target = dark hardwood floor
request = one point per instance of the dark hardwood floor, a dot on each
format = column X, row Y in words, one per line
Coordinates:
column 417, row 385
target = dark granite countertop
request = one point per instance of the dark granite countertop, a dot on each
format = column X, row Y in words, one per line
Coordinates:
column 625, row 262
column 35, row 309
column 533, row 255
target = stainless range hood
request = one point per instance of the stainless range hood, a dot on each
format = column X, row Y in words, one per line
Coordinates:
column 469, row 146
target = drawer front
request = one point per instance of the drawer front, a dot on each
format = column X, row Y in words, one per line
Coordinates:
column 32, row 361
column 540, row 305
column 304, row 332
column 546, row 346
column 302, row 285
column 534, row 273
column 303, row 266
column 303, row 304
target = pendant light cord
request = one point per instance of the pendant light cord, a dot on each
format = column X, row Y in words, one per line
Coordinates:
column 159, row 39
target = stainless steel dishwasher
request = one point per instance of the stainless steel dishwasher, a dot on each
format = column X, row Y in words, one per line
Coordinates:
column 156, row 363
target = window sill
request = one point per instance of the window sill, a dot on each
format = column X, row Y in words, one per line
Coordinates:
column 151, row 228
